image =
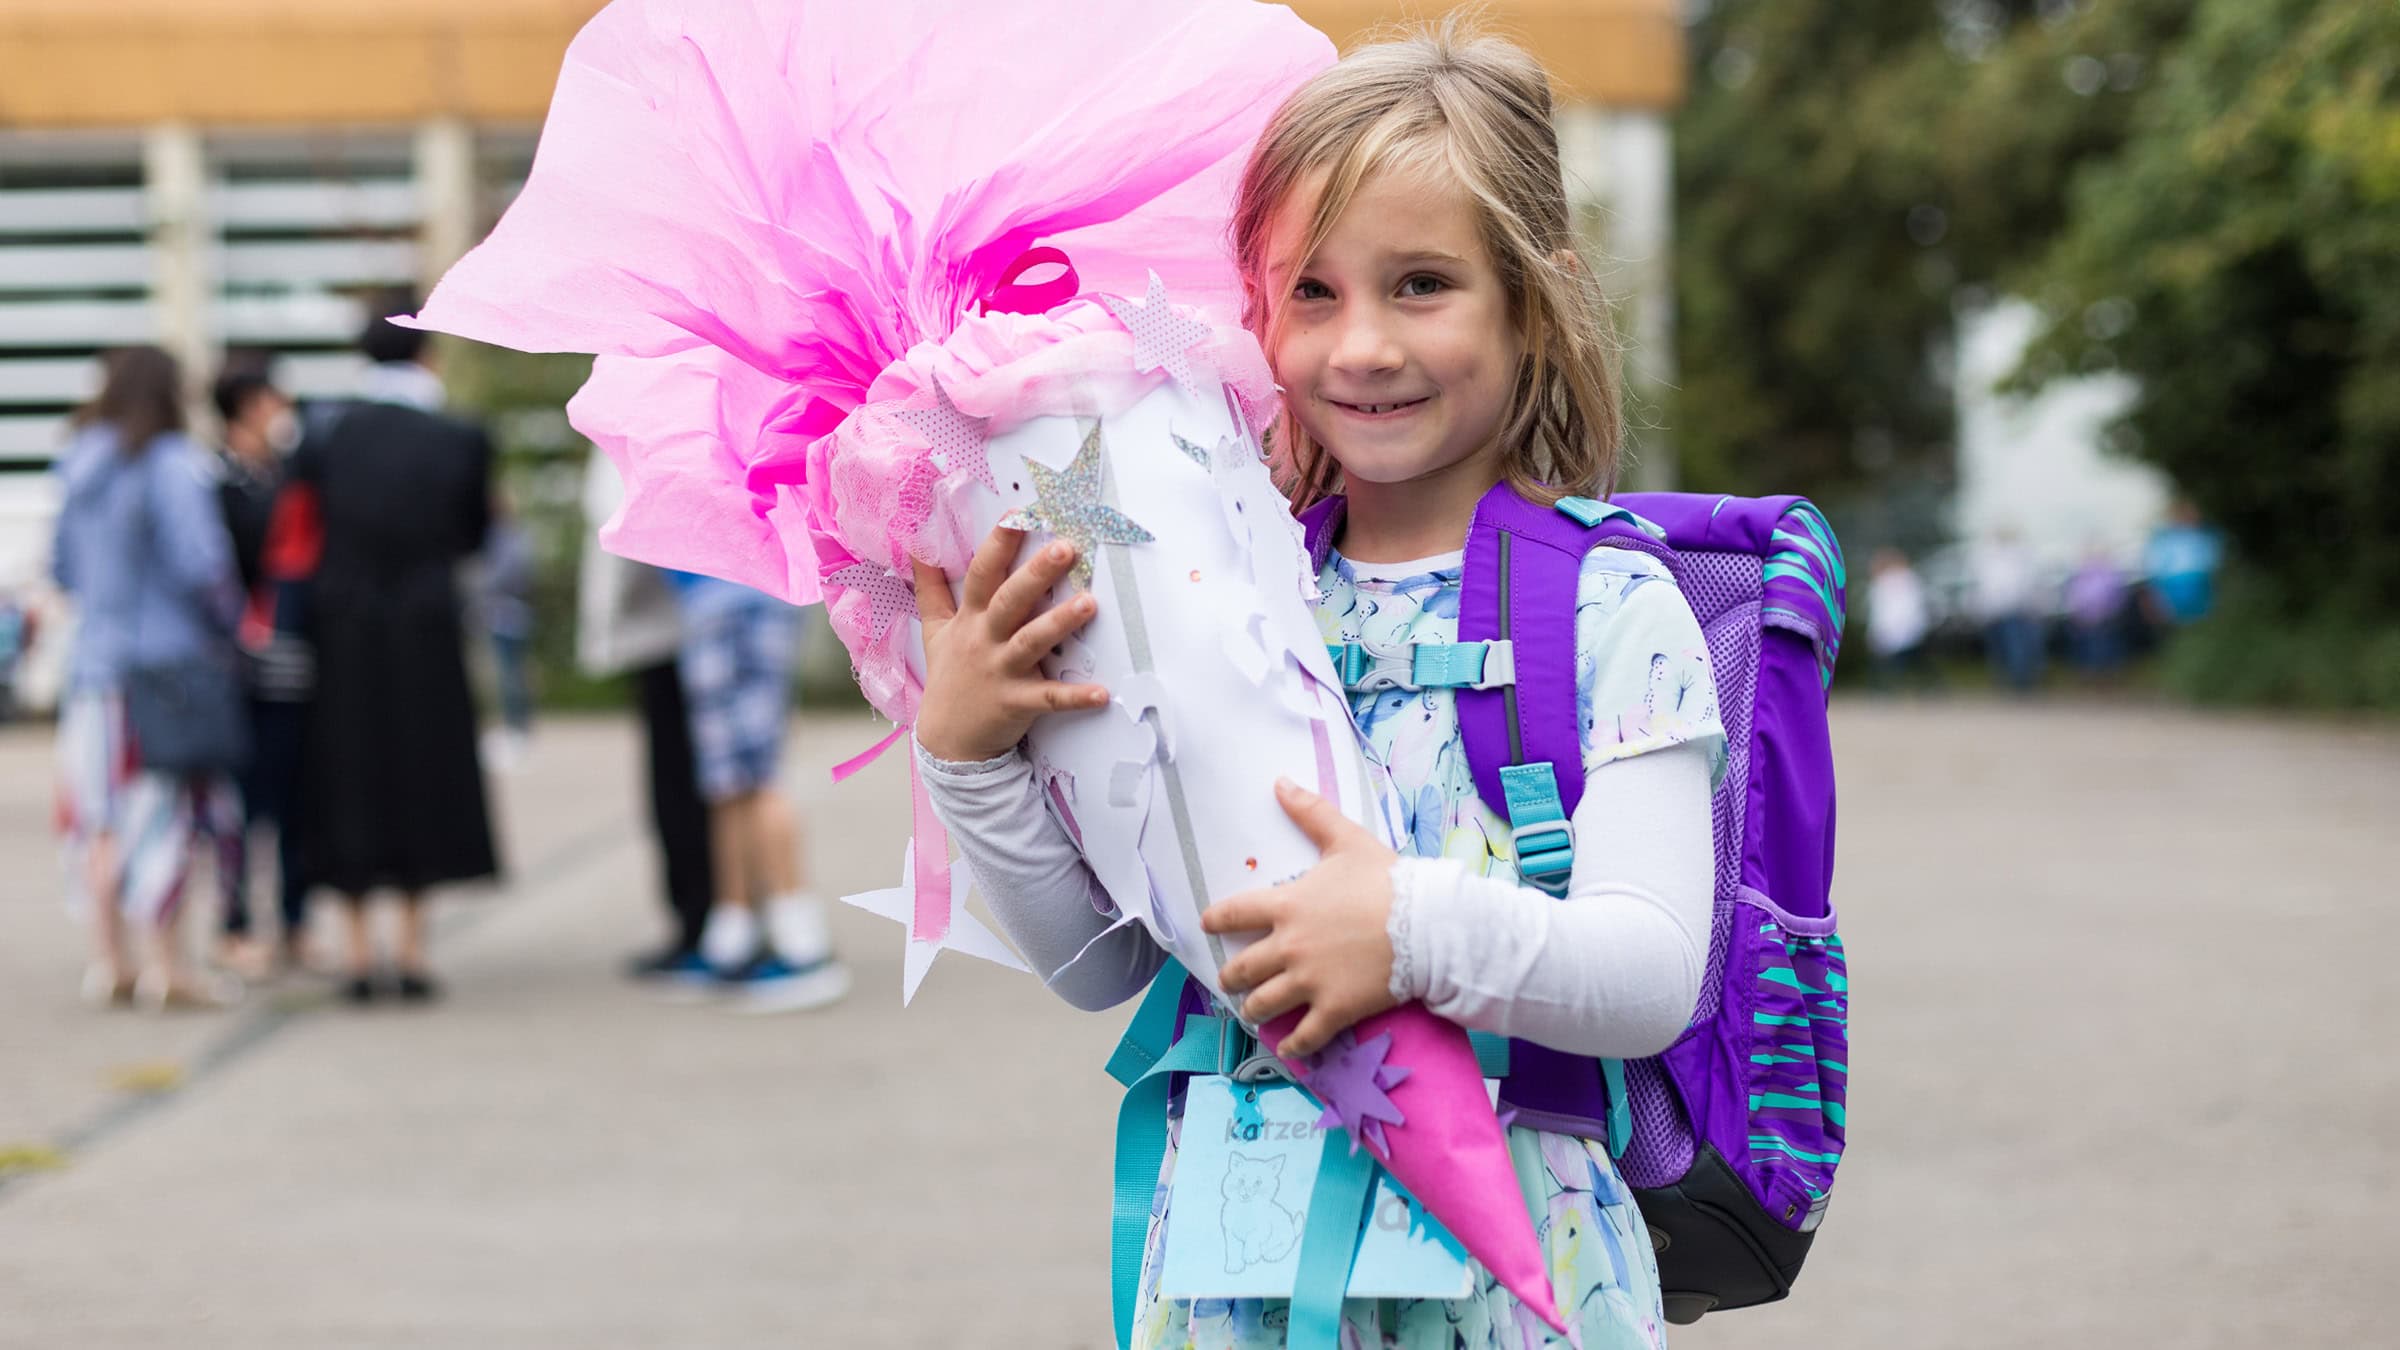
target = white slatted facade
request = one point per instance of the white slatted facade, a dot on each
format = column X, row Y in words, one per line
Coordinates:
column 203, row 243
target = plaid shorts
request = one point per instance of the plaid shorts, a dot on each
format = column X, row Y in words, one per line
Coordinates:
column 736, row 665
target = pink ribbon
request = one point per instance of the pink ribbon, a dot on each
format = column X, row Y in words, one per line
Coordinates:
column 867, row 756
column 1008, row 296
column 931, row 921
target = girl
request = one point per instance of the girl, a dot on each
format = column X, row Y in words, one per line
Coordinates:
column 142, row 552
column 1403, row 234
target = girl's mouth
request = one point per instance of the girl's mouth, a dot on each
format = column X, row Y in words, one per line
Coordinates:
column 1393, row 409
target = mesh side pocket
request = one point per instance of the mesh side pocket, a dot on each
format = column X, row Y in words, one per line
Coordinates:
column 1662, row 1147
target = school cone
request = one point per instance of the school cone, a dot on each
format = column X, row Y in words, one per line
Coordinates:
column 1417, row 1103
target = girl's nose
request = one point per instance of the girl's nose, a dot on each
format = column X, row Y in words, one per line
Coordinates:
column 1364, row 343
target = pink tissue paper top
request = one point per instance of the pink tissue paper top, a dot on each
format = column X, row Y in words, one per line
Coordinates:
column 748, row 209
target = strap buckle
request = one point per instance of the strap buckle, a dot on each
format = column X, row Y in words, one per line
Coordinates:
column 1264, row 1066
column 1539, row 830
column 1368, row 667
column 1544, row 849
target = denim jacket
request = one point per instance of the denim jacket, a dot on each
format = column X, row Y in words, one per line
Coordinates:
column 141, row 550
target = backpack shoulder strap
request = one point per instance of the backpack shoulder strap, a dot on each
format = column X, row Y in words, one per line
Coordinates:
column 1524, row 741
column 1318, row 525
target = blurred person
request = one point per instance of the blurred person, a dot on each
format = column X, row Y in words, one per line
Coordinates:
column 143, row 554
column 1899, row 620
column 505, row 603
column 2006, row 582
column 261, row 429
column 766, row 940
column 2179, row 567
column 627, row 624
column 2095, row 603
column 396, row 791
column 16, row 636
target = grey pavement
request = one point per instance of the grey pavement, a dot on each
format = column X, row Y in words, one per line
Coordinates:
column 2119, row 985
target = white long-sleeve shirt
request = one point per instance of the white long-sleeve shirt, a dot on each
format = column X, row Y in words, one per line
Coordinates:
column 1611, row 969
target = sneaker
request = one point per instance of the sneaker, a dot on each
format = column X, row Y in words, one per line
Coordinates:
column 730, row 939
column 685, row 977
column 770, row 984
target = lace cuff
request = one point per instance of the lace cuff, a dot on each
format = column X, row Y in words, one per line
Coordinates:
column 954, row 768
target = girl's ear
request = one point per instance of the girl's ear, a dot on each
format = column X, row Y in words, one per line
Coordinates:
column 1568, row 260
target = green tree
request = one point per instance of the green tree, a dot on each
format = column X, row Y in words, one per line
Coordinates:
column 2240, row 257
column 1848, row 172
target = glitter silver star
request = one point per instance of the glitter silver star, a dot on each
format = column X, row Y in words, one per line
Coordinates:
column 1068, row 505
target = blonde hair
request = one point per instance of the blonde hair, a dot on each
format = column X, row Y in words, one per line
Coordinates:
column 1475, row 108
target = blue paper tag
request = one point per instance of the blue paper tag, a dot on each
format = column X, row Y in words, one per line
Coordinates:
column 1245, row 1170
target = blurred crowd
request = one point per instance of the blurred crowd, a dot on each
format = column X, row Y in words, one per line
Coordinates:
column 272, row 634
column 2020, row 616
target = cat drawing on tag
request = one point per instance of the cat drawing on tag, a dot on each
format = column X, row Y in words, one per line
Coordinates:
column 1258, row 1231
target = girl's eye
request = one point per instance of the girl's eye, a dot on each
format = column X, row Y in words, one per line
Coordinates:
column 1310, row 290
column 1422, row 285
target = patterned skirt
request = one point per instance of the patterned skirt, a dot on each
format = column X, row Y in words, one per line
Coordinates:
column 152, row 820
column 1602, row 1273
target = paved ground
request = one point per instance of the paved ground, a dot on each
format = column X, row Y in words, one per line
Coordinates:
column 2119, row 1084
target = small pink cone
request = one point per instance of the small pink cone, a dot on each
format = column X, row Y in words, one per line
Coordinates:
column 1449, row 1151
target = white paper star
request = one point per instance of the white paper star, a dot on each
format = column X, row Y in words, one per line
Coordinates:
column 957, row 439
column 967, row 933
column 1162, row 338
column 1269, row 541
column 888, row 597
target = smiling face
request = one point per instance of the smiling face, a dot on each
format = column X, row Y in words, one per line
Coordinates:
column 1393, row 342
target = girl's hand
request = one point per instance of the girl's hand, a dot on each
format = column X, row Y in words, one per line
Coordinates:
column 1325, row 944
column 983, row 677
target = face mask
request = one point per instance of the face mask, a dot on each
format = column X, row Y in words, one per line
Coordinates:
column 283, row 432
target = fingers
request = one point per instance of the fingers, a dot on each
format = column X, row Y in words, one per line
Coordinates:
column 933, row 594
column 1252, row 966
column 1049, row 696
column 1319, row 819
column 993, row 558
column 1050, row 628
column 1273, row 999
column 1320, row 1026
column 1014, row 602
column 1249, row 912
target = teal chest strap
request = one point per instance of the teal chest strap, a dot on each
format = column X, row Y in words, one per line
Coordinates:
column 1371, row 667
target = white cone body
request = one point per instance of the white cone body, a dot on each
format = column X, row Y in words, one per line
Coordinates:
column 1207, row 627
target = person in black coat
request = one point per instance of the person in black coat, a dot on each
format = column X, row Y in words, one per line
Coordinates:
column 397, row 800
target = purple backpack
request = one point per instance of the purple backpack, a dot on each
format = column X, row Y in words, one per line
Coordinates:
column 1731, row 1136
